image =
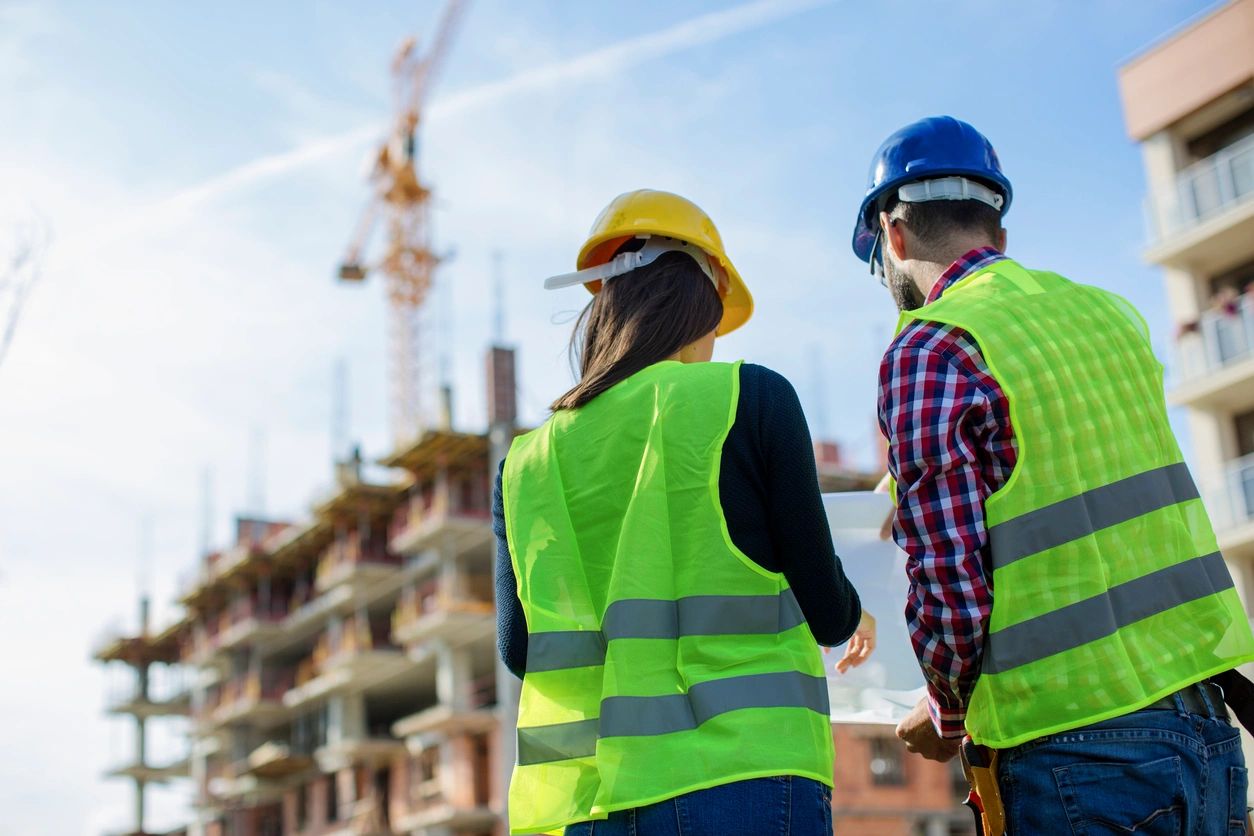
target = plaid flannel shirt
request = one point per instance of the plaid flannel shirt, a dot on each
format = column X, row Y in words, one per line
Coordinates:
column 950, row 447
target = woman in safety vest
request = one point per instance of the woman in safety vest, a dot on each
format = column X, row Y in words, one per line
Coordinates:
column 665, row 569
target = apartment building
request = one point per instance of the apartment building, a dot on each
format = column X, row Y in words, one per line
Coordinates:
column 1189, row 101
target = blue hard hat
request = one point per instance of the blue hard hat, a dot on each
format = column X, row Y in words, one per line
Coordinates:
column 938, row 146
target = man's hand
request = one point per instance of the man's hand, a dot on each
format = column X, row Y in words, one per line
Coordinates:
column 861, row 643
column 921, row 738
column 886, row 528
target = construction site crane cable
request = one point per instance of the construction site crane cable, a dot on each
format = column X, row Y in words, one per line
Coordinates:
column 399, row 196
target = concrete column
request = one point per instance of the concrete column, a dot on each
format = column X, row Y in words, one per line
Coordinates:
column 452, row 578
column 1160, row 155
column 452, row 676
column 346, row 718
column 937, row 826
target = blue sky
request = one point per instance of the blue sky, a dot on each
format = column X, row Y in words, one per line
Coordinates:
column 202, row 171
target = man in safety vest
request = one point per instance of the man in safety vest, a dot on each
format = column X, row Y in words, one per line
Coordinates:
column 1068, row 602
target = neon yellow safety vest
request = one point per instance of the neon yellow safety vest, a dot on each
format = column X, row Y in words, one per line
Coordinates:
column 660, row 658
column 1109, row 591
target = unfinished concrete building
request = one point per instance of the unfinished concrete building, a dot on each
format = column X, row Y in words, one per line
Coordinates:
column 155, row 694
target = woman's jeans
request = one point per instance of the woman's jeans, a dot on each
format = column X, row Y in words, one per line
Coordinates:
column 782, row 806
column 1149, row 773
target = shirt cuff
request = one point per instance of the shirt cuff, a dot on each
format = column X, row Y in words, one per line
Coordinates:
column 949, row 722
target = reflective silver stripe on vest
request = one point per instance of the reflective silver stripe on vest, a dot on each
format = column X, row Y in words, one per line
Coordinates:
column 560, row 742
column 560, row 650
column 1095, row 618
column 647, row 716
column 638, row 618
column 641, row 716
column 1090, row 512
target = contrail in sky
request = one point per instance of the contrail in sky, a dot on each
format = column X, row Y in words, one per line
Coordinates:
column 698, row 31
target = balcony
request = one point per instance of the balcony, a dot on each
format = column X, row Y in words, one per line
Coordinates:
column 179, row 767
column 476, row 715
column 255, row 699
column 437, row 516
column 1231, row 506
column 177, row 704
column 432, row 611
column 275, row 760
column 1206, row 221
column 444, row 815
column 248, row 622
column 349, row 564
column 1215, row 359
column 357, row 658
column 370, row 751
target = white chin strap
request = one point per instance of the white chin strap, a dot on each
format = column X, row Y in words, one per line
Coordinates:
column 949, row 188
column 654, row 247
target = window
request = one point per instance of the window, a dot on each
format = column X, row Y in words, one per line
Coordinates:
column 1245, row 434
column 481, row 756
column 302, row 807
column 1222, row 136
column 333, row 799
column 888, row 768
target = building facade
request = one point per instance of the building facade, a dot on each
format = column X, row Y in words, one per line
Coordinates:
column 1189, row 101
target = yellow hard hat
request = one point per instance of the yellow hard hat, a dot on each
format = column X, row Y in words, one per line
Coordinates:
column 650, row 212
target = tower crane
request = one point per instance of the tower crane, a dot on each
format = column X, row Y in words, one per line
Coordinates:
column 402, row 200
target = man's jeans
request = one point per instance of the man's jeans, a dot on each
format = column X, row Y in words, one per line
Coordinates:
column 783, row 806
column 1150, row 773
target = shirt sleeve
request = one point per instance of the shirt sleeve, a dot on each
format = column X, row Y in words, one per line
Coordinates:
column 511, row 622
column 934, row 409
column 800, row 536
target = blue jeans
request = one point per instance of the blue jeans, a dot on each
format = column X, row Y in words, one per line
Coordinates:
column 781, row 806
column 1150, row 773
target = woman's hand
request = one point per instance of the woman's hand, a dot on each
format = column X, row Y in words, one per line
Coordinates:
column 860, row 645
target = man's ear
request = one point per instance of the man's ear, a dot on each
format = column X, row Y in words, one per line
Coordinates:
column 894, row 236
column 1001, row 240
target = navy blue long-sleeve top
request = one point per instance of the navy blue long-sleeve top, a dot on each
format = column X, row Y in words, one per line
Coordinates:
column 769, row 491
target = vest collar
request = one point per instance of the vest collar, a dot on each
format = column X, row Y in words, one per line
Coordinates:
column 971, row 262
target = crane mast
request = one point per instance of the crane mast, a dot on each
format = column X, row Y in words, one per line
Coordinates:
column 400, row 198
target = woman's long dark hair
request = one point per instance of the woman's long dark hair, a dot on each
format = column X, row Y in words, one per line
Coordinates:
column 638, row 319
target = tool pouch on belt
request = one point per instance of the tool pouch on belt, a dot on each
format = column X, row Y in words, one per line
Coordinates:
column 1239, row 695
column 979, row 764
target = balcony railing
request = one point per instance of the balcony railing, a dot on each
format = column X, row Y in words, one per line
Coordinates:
column 1206, row 188
column 1217, row 340
column 432, row 597
column 1231, row 504
column 242, row 692
column 356, row 636
column 434, row 504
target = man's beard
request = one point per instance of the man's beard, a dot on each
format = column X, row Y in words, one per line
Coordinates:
column 905, row 292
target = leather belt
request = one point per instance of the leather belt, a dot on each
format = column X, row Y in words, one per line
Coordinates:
column 1194, row 702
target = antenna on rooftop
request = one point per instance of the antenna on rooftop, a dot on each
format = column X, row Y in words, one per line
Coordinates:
column 257, row 472
column 498, row 298
column 143, row 574
column 339, row 410
column 206, row 510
